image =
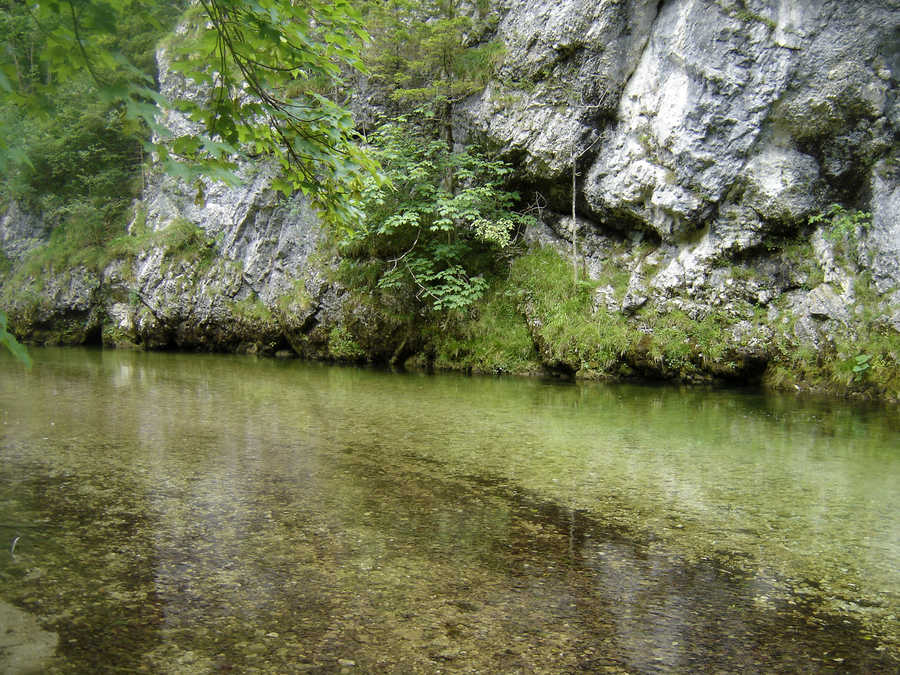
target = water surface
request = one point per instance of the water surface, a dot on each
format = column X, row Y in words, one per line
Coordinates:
column 199, row 514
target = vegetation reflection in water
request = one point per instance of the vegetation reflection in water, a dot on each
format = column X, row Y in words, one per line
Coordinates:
column 192, row 513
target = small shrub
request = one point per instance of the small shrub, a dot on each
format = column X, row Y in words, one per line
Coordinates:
column 437, row 227
column 342, row 346
column 844, row 227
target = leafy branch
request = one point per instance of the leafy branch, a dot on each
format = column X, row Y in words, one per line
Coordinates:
column 9, row 341
column 274, row 63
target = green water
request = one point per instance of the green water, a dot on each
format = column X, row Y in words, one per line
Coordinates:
column 206, row 514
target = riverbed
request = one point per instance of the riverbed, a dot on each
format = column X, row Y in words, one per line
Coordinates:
column 194, row 513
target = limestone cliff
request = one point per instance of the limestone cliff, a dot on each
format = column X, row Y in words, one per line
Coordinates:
column 705, row 135
column 706, row 127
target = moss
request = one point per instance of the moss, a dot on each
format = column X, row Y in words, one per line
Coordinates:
column 6, row 266
column 740, row 12
column 656, row 342
column 183, row 241
column 113, row 335
column 862, row 360
column 79, row 240
column 743, row 273
column 496, row 340
column 803, row 258
column 86, row 239
column 252, row 309
column 618, row 278
column 568, row 334
column 295, row 302
column 137, row 239
column 753, row 17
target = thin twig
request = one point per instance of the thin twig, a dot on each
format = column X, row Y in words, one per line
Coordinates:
column 396, row 261
column 423, row 288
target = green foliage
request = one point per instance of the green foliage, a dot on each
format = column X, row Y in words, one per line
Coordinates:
column 287, row 56
column 85, row 238
column 79, row 239
column 185, row 241
column 689, row 346
column 570, row 334
column 5, row 265
column 799, row 254
column 342, row 346
column 844, row 227
column 573, row 335
column 426, row 53
column 71, row 152
column 861, row 364
column 253, row 309
column 263, row 66
column 103, row 49
column 9, row 341
column 66, row 146
column 423, row 238
column 861, row 360
column 83, row 150
column 495, row 339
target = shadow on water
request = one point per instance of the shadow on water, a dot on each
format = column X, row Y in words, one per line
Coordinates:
column 655, row 613
column 307, row 520
column 459, row 573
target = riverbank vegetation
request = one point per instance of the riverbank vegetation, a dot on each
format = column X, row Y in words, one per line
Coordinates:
column 428, row 253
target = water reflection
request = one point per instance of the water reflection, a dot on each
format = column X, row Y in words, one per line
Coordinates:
column 204, row 514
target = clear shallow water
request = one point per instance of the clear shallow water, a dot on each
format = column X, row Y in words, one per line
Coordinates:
column 196, row 513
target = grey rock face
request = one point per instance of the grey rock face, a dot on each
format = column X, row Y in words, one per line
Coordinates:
column 770, row 105
column 782, row 185
column 883, row 240
column 817, row 312
column 688, row 118
column 20, row 232
column 566, row 65
column 259, row 284
column 262, row 243
column 248, row 291
column 65, row 308
column 268, row 236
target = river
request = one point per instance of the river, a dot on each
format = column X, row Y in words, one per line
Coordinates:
column 191, row 513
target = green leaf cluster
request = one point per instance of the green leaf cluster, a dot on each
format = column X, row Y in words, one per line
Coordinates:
column 81, row 150
column 69, row 150
column 271, row 73
column 439, row 223
column 431, row 49
column 845, row 227
column 9, row 341
column 861, row 364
